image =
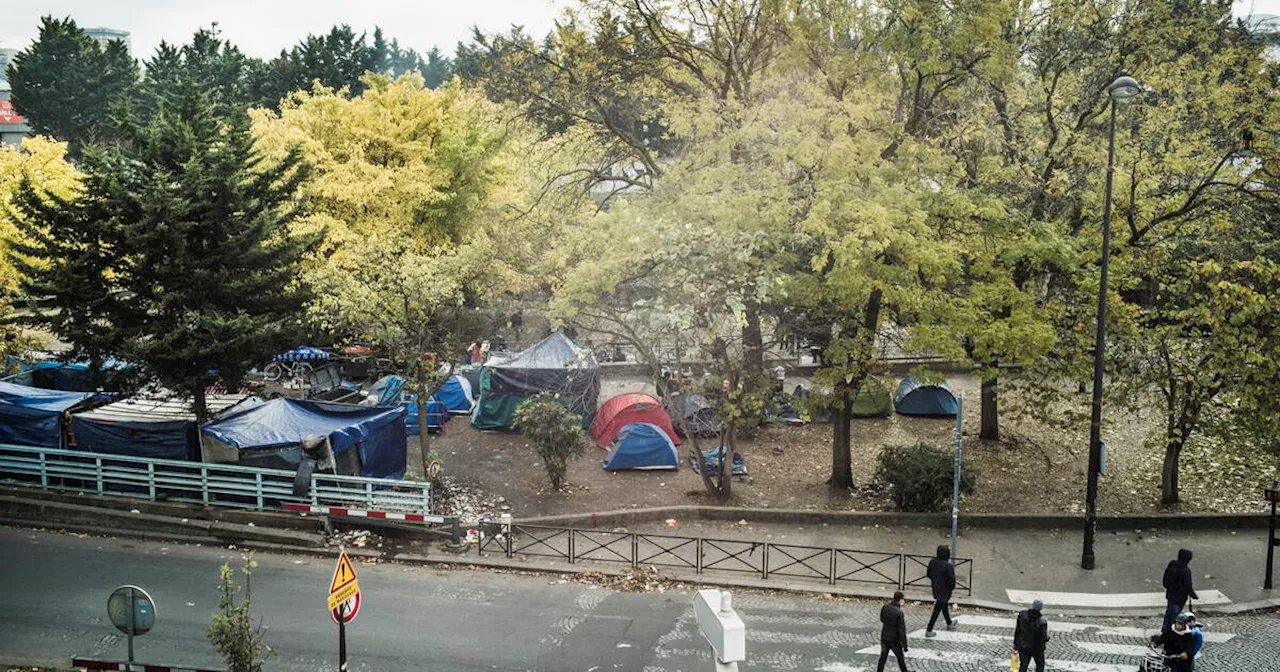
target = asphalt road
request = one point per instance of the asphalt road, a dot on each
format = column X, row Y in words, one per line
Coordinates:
column 417, row 618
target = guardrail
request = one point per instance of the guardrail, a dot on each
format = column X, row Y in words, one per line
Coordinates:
column 201, row 483
column 764, row 559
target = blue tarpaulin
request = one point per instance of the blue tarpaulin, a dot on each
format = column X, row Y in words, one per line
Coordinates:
column 158, row 427
column 71, row 376
column 641, row 445
column 456, row 395
column 302, row 353
column 30, row 416
column 377, row 433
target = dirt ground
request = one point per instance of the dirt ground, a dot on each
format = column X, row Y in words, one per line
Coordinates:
column 1035, row 469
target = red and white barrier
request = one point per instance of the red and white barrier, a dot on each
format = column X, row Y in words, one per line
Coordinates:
column 117, row 665
column 362, row 513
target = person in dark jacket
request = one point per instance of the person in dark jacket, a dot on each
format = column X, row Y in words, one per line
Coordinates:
column 1030, row 636
column 942, row 575
column 1177, row 587
column 893, row 632
column 1180, row 642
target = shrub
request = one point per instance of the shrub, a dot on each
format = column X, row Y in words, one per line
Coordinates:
column 232, row 630
column 921, row 476
column 556, row 434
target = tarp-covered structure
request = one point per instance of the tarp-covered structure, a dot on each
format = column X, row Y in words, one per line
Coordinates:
column 30, row 416
column 699, row 415
column 554, row 365
column 390, row 391
column 640, row 445
column 272, row 434
column 456, row 395
column 927, row 399
column 158, row 426
column 72, row 376
column 625, row 409
column 873, row 400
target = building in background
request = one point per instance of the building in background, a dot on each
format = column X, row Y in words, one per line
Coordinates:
column 105, row 35
column 12, row 126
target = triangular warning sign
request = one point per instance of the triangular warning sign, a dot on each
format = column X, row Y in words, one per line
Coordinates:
column 343, row 574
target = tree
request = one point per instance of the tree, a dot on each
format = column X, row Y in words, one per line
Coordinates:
column 42, row 163
column 556, row 434
column 232, row 80
column 176, row 253
column 338, row 60
column 232, row 630
column 66, row 85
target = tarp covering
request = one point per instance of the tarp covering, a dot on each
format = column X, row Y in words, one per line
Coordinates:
column 302, row 353
column 390, row 391
column 711, row 458
column 30, row 416
column 376, row 433
column 641, row 445
column 625, row 409
column 456, row 395
column 873, row 400
column 158, row 426
column 916, row 398
column 72, row 376
column 555, row 364
column 699, row 416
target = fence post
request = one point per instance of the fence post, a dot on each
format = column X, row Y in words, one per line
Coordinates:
column 151, row 479
column 455, row 534
column 902, row 571
column 204, row 484
column 97, row 465
column 764, row 562
column 368, row 495
column 635, row 550
column 510, row 534
column 571, row 536
column 257, row 483
column 832, row 564
column 697, row 556
column 44, row 472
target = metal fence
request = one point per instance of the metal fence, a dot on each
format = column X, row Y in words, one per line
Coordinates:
column 202, row 483
column 833, row 566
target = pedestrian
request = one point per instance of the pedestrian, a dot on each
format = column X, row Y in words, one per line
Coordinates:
column 1030, row 636
column 1181, row 642
column 942, row 575
column 893, row 632
column 1177, row 587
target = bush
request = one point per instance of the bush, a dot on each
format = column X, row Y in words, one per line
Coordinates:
column 921, row 476
column 556, row 434
column 232, row 630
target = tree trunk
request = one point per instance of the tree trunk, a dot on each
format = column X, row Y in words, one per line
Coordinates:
column 199, row 405
column 424, row 437
column 841, row 442
column 753, row 350
column 726, row 464
column 990, row 410
column 1169, row 475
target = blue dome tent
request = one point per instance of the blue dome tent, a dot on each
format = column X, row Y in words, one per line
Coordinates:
column 928, row 399
column 641, row 445
column 456, row 395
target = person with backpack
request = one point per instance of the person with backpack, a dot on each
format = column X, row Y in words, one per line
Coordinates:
column 1031, row 636
column 893, row 632
column 942, row 578
column 1177, row 587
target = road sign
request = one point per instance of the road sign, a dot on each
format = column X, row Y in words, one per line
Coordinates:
column 346, row 612
column 131, row 610
column 344, row 585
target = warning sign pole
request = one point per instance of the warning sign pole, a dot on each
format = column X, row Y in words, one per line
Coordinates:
column 342, row 638
column 344, row 602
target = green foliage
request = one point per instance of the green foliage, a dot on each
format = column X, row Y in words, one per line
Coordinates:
column 232, row 630
column 175, row 254
column 556, row 434
column 67, row 86
column 922, row 476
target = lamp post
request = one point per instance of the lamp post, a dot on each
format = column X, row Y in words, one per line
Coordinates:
column 1121, row 91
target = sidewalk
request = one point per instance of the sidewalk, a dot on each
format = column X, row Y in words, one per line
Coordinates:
column 1232, row 562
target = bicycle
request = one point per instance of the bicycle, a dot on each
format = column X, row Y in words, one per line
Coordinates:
column 275, row 370
column 1155, row 660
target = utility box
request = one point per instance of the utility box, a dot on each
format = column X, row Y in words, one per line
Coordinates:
column 720, row 625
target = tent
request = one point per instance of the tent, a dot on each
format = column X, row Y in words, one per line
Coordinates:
column 160, row 426
column 72, row 376
column 916, row 398
column 699, row 415
column 279, row 427
column 30, row 416
column 389, row 391
column 872, row 400
column 456, row 395
column 641, row 445
column 555, row 364
column 625, row 409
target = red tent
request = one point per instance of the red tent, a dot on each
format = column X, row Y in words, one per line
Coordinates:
column 625, row 409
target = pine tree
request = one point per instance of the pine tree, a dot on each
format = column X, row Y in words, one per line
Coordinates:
column 176, row 254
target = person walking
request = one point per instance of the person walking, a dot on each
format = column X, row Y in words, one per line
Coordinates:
column 1030, row 636
column 1177, row 587
column 893, row 632
column 942, row 576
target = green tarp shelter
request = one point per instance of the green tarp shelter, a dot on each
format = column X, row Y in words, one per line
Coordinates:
column 873, row 400
column 555, row 364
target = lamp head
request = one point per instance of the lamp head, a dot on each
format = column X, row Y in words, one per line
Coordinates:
column 1123, row 89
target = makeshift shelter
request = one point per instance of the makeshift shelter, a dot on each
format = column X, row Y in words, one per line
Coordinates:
column 30, row 416
column 555, row 365
column 625, row 409
column 456, row 395
column 271, row 434
column 303, row 353
column 390, row 391
column 160, row 426
column 641, row 445
column 72, row 376
column 699, row 416
column 928, row 399
column 711, row 458
column 873, row 400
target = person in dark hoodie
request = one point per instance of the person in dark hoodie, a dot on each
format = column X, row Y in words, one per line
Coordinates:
column 942, row 576
column 1177, row 587
column 893, row 633
column 1030, row 636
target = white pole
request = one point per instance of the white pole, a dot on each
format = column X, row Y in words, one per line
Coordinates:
column 955, row 479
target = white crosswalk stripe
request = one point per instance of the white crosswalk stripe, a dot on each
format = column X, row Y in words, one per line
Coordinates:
column 1137, row 650
column 1071, row 627
column 987, row 661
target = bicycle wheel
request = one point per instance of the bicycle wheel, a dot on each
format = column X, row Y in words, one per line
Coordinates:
column 273, row 371
column 302, row 369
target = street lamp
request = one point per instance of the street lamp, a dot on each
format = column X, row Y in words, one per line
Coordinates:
column 1122, row 90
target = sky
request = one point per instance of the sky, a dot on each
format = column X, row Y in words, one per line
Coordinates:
column 263, row 27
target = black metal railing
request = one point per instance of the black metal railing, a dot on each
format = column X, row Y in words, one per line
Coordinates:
column 766, row 560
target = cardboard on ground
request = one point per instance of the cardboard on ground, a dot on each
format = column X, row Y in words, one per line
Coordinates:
column 344, row 583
